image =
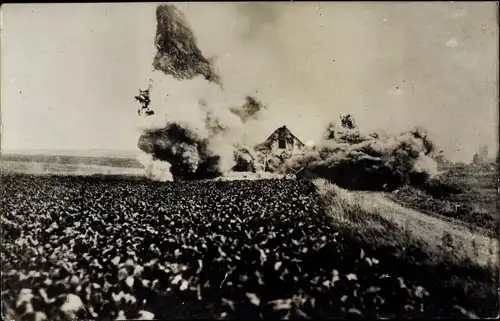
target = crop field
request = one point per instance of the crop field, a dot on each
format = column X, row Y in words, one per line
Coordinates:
column 129, row 248
column 475, row 206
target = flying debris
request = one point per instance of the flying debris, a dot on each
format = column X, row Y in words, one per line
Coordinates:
column 347, row 121
column 249, row 110
column 178, row 53
column 144, row 99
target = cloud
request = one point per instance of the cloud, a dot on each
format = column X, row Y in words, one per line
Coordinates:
column 459, row 14
column 452, row 43
column 396, row 91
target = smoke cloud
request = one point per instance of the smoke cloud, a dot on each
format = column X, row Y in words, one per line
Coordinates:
column 185, row 134
column 192, row 125
column 156, row 169
column 311, row 62
column 373, row 161
column 202, row 131
column 196, row 134
column 178, row 54
column 250, row 110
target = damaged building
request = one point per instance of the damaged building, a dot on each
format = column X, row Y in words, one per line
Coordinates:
column 266, row 156
column 281, row 142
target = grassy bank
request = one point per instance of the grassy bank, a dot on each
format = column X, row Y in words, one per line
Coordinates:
column 444, row 262
column 474, row 204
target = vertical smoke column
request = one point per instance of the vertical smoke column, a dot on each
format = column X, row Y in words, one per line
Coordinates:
column 178, row 54
column 197, row 136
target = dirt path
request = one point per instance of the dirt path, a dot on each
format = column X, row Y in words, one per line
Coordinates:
column 431, row 229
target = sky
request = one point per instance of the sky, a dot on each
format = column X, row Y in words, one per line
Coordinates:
column 69, row 72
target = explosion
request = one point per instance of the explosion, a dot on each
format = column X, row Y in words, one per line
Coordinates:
column 198, row 133
column 373, row 161
column 178, row 54
column 250, row 109
column 198, row 137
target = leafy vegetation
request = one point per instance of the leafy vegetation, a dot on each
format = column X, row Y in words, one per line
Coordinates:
column 110, row 247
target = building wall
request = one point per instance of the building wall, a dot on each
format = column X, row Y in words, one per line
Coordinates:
column 290, row 148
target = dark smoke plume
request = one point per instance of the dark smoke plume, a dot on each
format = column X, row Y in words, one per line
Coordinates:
column 189, row 156
column 249, row 110
column 200, row 139
column 376, row 161
column 194, row 148
column 194, row 154
column 178, row 54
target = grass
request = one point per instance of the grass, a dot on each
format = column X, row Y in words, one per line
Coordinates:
column 465, row 194
column 462, row 208
column 348, row 209
column 444, row 261
column 351, row 211
column 65, row 169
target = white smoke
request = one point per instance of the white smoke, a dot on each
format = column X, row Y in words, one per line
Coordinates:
column 155, row 169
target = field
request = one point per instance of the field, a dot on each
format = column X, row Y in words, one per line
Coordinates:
column 381, row 220
column 125, row 247
column 37, row 168
column 475, row 206
column 70, row 165
column 98, row 160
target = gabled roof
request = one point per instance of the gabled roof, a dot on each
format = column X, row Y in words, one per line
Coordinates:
column 283, row 131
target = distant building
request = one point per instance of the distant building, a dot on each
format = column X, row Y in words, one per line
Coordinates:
column 281, row 141
column 481, row 157
column 278, row 147
column 475, row 159
column 483, row 153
